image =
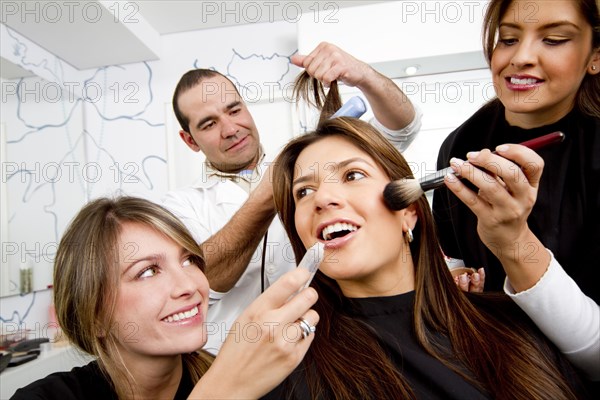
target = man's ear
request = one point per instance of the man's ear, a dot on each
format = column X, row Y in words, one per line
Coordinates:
column 189, row 140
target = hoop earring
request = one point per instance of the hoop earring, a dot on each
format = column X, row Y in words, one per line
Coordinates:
column 409, row 236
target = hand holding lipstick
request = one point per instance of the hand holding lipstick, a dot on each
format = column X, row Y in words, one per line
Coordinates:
column 265, row 343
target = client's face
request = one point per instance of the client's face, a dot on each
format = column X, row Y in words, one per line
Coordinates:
column 162, row 298
column 338, row 192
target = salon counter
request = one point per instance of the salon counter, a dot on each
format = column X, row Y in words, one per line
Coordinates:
column 54, row 359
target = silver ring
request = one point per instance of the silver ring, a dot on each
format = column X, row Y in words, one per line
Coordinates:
column 307, row 329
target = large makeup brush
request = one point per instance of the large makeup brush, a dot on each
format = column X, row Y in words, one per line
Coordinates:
column 401, row 193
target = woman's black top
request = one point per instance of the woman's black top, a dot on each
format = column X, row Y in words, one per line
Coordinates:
column 84, row 383
column 391, row 318
column 566, row 216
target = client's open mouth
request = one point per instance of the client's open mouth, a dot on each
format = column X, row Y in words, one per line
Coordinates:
column 337, row 230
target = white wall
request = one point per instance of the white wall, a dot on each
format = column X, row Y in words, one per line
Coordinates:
column 433, row 36
column 447, row 100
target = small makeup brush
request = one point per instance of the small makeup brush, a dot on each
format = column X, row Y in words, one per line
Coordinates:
column 401, row 193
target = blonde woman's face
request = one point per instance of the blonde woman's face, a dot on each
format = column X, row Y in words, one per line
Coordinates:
column 338, row 192
column 543, row 53
column 162, row 298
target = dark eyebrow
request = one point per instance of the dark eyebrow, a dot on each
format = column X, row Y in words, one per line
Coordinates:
column 203, row 121
column 228, row 107
column 555, row 24
column 151, row 257
column 336, row 166
column 233, row 104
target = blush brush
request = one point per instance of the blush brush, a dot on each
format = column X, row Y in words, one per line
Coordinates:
column 401, row 193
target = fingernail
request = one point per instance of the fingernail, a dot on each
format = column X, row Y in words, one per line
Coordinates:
column 502, row 148
column 475, row 277
column 463, row 278
column 451, row 178
column 472, row 155
column 456, row 161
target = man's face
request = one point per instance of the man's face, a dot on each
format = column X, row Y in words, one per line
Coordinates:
column 220, row 125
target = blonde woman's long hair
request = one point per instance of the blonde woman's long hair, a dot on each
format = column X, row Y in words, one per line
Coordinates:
column 86, row 280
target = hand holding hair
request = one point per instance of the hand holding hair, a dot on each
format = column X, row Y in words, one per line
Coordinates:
column 328, row 63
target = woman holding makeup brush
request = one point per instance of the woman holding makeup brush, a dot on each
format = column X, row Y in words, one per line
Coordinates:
column 537, row 283
column 543, row 228
column 545, row 63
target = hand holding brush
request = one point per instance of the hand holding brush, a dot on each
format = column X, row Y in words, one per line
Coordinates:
column 401, row 193
column 502, row 202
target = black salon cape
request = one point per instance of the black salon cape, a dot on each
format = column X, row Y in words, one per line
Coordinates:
column 391, row 317
column 83, row 383
column 566, row 216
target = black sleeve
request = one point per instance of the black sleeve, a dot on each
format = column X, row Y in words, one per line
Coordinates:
column 52, row 387
column 81, row 383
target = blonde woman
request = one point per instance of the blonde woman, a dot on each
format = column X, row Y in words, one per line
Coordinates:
column 129, row 288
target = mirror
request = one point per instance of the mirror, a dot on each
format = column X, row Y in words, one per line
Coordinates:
column 69, row 136
column 43, row 178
